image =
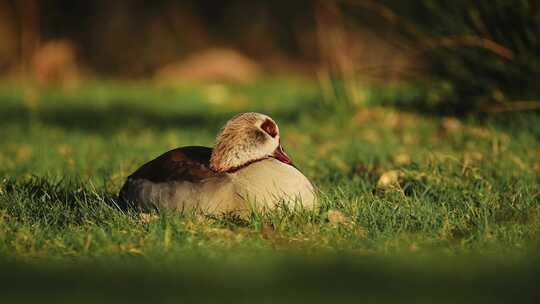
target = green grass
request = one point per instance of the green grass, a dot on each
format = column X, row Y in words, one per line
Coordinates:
column 467, row 199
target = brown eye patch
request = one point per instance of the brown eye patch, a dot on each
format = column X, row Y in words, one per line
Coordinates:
column 260, row 136
column 269, row 127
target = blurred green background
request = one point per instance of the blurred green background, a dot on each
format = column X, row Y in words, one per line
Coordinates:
column 464, row 56
column 417, row 121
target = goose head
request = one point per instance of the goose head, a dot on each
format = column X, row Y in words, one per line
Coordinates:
column 245, row 139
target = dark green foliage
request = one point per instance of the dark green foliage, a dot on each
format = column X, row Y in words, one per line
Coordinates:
column 481, row 55
column 472, row 56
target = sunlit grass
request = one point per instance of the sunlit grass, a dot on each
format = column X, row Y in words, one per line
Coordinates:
column 391, row 183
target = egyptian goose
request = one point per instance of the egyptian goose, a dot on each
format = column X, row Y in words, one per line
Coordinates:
column 247, row 169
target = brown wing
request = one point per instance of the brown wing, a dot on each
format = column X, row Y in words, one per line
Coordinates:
column 181, row 164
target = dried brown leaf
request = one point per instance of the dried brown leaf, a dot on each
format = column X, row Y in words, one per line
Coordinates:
column 148, row 217
column 337, row 217
column 451, row 125
column 479, row 132
column 389, row 179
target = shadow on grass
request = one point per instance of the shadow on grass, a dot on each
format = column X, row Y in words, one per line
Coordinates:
column 61, row 204
column 274, row 279
column 120, row 115
column 56, row 204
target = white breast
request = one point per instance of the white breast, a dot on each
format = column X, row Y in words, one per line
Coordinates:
column 270, row 182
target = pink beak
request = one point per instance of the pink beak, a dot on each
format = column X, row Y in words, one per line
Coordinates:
column 280, row 155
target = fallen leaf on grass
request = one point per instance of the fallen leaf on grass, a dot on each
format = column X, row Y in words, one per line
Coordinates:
column 479, row 132
column 135, row 251
column 23, row 153
column 471, row 160
column 413, row 247
column 148, row 217
column 64, row 150
column 389, row 179
column 128, row 248
column 451, row 125
column 336, row 217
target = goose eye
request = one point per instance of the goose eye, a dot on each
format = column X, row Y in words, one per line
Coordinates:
column 269, row 127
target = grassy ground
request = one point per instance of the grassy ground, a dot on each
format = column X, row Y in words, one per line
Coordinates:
column 422, row 200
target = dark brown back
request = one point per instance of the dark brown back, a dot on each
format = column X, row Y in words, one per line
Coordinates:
column 181, row 164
